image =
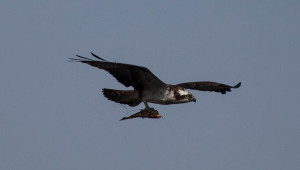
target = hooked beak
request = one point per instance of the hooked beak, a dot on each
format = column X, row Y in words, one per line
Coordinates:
column 193, row 99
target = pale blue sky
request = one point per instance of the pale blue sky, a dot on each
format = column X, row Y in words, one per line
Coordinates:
column 53, row 115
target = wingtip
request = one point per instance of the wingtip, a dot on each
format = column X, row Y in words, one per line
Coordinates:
column 72, row 59
column 124, row 118
column 237, row 85
column 97, row 57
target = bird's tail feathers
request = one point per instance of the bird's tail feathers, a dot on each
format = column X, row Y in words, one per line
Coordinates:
column 130, row 97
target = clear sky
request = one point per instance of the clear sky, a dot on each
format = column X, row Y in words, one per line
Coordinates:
column 53, row 115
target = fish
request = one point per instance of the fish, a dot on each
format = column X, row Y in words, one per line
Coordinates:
column 144, row 113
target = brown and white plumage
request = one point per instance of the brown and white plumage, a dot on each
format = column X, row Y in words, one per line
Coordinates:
column 147, row 87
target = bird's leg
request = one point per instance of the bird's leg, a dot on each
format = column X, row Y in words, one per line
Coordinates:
column 146, row 105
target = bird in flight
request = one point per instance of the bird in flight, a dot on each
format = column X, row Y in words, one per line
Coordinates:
column 148, row 88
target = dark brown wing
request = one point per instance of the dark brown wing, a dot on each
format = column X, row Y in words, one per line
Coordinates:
column 139, row 78
column 208, row 86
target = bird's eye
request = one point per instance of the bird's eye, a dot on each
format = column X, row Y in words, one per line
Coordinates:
column 187, row 96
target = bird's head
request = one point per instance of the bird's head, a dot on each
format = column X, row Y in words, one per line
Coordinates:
column 184, row 96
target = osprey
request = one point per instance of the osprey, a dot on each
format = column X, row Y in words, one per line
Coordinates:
column 147, row 87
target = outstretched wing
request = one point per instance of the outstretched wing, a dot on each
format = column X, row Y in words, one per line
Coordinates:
column 208, row 86
column 140, row 78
